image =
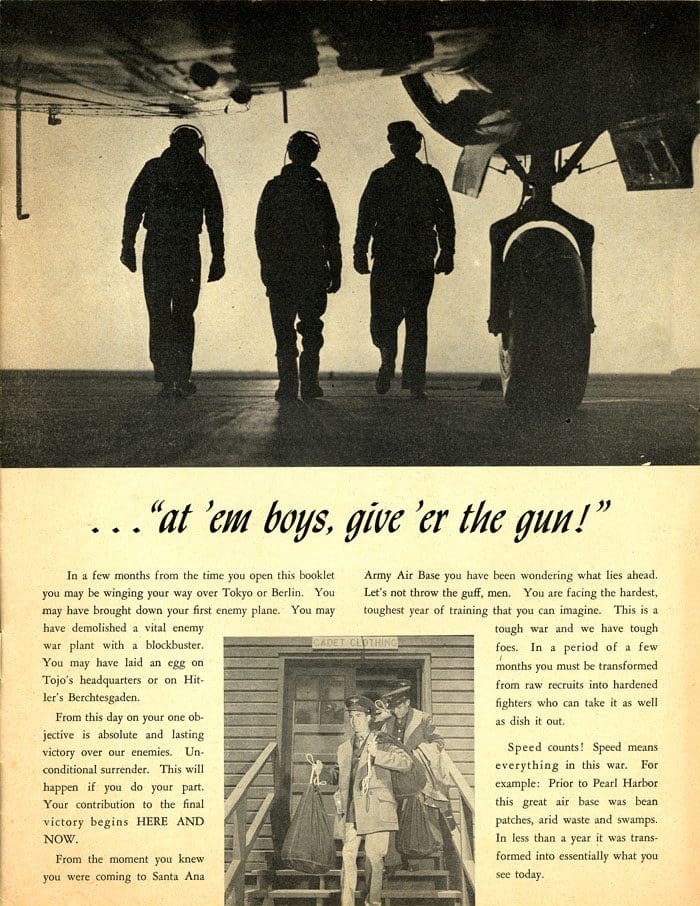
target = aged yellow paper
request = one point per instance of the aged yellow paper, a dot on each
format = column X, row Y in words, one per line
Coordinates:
column 176, row 640
column 48, row 536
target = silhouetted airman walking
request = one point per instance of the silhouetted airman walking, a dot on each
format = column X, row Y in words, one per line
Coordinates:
column 406, row 211
column 173, row 194
column 298, row 242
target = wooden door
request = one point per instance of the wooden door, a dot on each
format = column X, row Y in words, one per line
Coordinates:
column 315, row 716
column 315, row 721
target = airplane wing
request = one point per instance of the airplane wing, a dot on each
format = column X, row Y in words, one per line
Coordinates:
column 183, row 59
column 489, row 76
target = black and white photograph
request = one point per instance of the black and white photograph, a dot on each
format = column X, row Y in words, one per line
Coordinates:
column 349, row 360
column 349, row 770
column 349, row 233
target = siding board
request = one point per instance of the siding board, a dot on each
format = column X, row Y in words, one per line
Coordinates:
column 253, row 663
column 251, row 707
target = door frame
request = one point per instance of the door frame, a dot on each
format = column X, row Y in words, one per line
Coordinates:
column 419, row 662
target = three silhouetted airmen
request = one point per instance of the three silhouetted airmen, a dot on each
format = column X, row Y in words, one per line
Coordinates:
column 405, row 211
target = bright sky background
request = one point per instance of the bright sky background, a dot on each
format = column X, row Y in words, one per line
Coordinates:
column 67, row 303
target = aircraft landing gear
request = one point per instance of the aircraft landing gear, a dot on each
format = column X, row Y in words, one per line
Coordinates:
column 545, row 341
column 541, row 305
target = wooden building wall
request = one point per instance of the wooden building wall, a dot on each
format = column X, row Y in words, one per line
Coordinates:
column 253, row 688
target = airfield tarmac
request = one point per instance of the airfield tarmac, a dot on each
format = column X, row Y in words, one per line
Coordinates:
column 78, row 419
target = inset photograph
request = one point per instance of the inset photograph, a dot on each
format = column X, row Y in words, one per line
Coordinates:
column 349, row 770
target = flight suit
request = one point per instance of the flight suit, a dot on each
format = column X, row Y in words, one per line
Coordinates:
column 406, row 211
column 173, row 194
column 298, row 242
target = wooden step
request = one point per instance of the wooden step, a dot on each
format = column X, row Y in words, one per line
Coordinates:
column 388, row 896
column 426, row 896
column 335, row 872
column 301, row 894
column 397, row 877
column 435, row 861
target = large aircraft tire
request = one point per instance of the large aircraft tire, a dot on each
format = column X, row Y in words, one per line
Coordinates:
column 544, row 353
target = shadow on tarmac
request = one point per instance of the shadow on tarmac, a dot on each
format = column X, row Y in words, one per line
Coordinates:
column 77, row 419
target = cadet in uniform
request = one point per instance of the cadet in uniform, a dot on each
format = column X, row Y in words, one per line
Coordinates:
column 173, row 193
column 406, row 211
column 407, row 724
column 415, row 730
column 365, row 801
column 298, row 242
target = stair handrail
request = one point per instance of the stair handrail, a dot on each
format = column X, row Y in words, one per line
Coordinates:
column 463, row 841
column 243, row 840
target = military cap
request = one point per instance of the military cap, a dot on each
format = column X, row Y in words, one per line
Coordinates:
column 396, row 695
column 401, row 129
column 359, row 703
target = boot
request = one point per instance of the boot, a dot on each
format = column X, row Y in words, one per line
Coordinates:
column 167, row 390
column 186, row 387
column 386, row 371
column 289, row 378
column 308, row 374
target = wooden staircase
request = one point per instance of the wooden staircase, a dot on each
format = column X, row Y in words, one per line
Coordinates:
column 425, row 883
column 448, row 878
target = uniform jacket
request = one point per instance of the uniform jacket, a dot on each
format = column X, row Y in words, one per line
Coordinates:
column 420, row 733
column 375, row 810
column 173, row 194
column 419, row 728
column 405, row 210
column 296, row 230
